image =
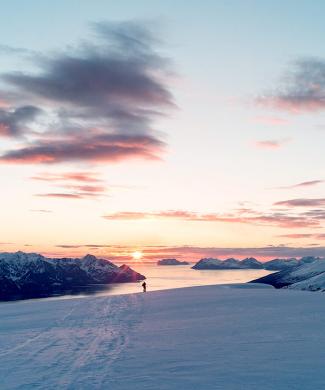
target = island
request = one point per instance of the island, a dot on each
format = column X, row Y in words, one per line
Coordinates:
column 172, row 262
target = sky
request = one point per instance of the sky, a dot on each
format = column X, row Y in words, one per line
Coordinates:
column 170, row 129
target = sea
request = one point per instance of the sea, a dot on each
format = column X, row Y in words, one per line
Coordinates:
column 163, row 277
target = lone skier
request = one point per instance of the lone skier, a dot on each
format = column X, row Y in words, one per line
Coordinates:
column 144, row 285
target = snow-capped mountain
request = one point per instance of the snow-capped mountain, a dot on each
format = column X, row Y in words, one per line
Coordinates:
column 315, row 283
column 231, row 263
column 281, row 264
column 309, row 276
column 251, row 263
column 32, row 274
column 171, row 262
column 210, row 263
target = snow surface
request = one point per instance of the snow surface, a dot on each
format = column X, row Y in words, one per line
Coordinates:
column 309, row 276
column 315, row 283
column 234, row 337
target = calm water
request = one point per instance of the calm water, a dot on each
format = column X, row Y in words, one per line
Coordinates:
column 167, row 277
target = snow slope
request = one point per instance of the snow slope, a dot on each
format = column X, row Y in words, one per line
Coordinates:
column 199, row 338
column 295, row 275
column 314, row 283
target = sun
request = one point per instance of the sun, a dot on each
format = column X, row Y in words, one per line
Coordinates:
column 137, row 255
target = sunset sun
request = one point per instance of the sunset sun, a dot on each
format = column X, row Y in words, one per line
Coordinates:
column 137, row 255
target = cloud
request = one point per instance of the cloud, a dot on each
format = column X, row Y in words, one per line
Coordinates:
column 83, row 177
column 60, row 195
column 315, row 213
column 78, row 192
column 41, row 211
column 282, row 220
column 302, row 89
column 122, row 253
column 95, row 148
column 101, row 99
column 14, row 122
column 69, row 246
column 88, row 188
column 127, row 215
column 262, row 253
column 267, row 252
column 269, row 144
column 310, row 183
column 79, row 185
column 320, row 236
column 296, row 235
column 10, row 50
column 301, row 202
column 63, row 246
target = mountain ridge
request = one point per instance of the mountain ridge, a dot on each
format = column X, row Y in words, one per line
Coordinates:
column 31, row 274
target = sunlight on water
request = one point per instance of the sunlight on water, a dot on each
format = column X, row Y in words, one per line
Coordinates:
column 167, row 277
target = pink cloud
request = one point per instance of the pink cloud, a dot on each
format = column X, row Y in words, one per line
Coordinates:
column 68, row 176
column 271, row 144
column 78, row 185
column 303, row 184
column 302, row 202
column 96, row 148
column 308, row 183
column 126, row 215
column 319, row 236
column 4, row 129
column 296, row 235
column 251, row 217
column 293, row 105
column 4, row 103
column 116, row 82
column 88, row 188
column 60, row 195
column 302, row 90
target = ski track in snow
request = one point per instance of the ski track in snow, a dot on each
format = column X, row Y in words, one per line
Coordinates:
column 76, row 350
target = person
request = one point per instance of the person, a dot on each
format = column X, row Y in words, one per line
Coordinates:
column 144, row 285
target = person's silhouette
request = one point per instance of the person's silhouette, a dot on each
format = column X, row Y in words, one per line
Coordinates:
column 144, row 285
